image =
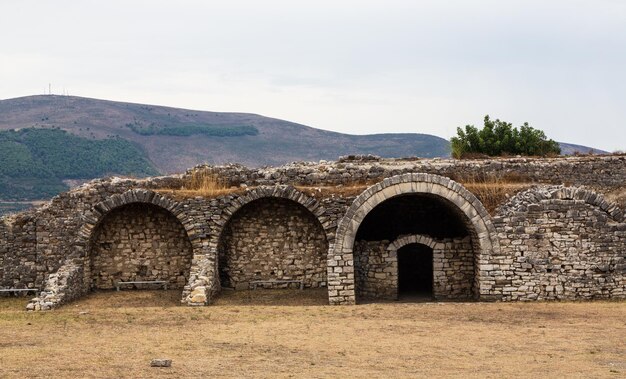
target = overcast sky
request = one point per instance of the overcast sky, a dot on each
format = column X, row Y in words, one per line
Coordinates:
column 350, row 66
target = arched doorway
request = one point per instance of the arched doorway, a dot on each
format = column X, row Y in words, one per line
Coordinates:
column 415, row 272
column 440, row 265
column 418, row 204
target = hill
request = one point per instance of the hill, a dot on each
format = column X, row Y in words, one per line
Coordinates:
column 570, row 149
column 35, row 162
column 47, row 140
column 175, row 139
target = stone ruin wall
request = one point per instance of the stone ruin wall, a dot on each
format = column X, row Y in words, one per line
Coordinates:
column 599, row 172
column 577, row 253
column 139, row 243
column 273, row 239
column 558, row 244
column 376, row 268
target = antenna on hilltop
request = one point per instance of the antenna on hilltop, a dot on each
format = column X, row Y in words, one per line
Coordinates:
column 49, row 89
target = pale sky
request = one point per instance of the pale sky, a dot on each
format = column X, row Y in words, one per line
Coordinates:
column 350, row 66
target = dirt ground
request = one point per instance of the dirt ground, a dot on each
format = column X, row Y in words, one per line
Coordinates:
column 291, row 333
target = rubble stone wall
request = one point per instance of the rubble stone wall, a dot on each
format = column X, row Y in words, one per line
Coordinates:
column 376, row 267
column 273, row 239
column 560, row 243
column 21, row 263
column 140, row 242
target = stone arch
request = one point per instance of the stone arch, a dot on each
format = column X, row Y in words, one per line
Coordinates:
column 99, row 212
column 592, row 198
column 341, row 270
column 402, row 241
column 536, row 195
column 282, row 192
column 567, row 257
column 93, row 217
column 238, row 202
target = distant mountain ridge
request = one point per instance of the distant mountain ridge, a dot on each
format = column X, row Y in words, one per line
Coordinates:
column 255, row 141
column 90, row 137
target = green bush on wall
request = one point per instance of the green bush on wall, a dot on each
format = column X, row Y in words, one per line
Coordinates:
column 498, row 138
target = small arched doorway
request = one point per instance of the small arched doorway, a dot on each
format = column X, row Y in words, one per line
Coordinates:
column 415, row 272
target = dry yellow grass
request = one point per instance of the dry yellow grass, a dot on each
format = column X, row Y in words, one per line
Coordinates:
column 494, row 190
column 618, row 196
column 117, row 334
column 349, row 190
column 491, row 190
column 201, row 183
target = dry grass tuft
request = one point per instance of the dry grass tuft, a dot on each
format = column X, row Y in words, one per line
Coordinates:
column 349, row 190
column 617, row 196
column 494, row 191
column 201, row 183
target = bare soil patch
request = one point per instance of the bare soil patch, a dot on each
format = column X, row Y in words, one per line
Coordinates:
column 290, row 333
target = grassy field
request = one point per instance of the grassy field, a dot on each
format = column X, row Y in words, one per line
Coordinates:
column 284, row 333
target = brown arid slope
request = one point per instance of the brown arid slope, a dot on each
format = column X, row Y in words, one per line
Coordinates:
column 277, row 141
column 291, row 333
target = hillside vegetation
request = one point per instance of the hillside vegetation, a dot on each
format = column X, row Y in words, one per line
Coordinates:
column 34, row 162
column 186, row 130
column 66, row 137
column 175, row 139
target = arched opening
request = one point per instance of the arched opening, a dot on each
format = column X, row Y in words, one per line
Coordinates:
column 443, row 268
column 272, row 242
column 139, row 242
column 415, row 271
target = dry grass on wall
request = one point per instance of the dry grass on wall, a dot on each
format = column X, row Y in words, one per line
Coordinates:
column 494, row 191
column 201, row 183
column 348, row 190
column 617, row 196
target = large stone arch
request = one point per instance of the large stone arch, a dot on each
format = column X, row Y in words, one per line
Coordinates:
column 101, row 210
column 536, row 195
column 206, row 284
column 569, row 244
column 71, row 280
column 341, row 259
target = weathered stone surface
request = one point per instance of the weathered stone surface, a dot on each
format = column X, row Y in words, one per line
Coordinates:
column 551, row 242
column 273, row 239
column 140, row 242
column 161, row 362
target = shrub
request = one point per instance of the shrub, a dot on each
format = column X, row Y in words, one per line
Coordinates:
column 498, row 138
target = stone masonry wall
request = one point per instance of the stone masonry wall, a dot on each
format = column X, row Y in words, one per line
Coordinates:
column 140, row 242
column 593, row 171
column 21, row 264
column 376, row 269
column 453, row 268
column 273, row 239
column 560, row 244
column 576, row 255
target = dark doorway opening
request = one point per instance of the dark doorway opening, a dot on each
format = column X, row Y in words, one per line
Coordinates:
column 415, row 271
